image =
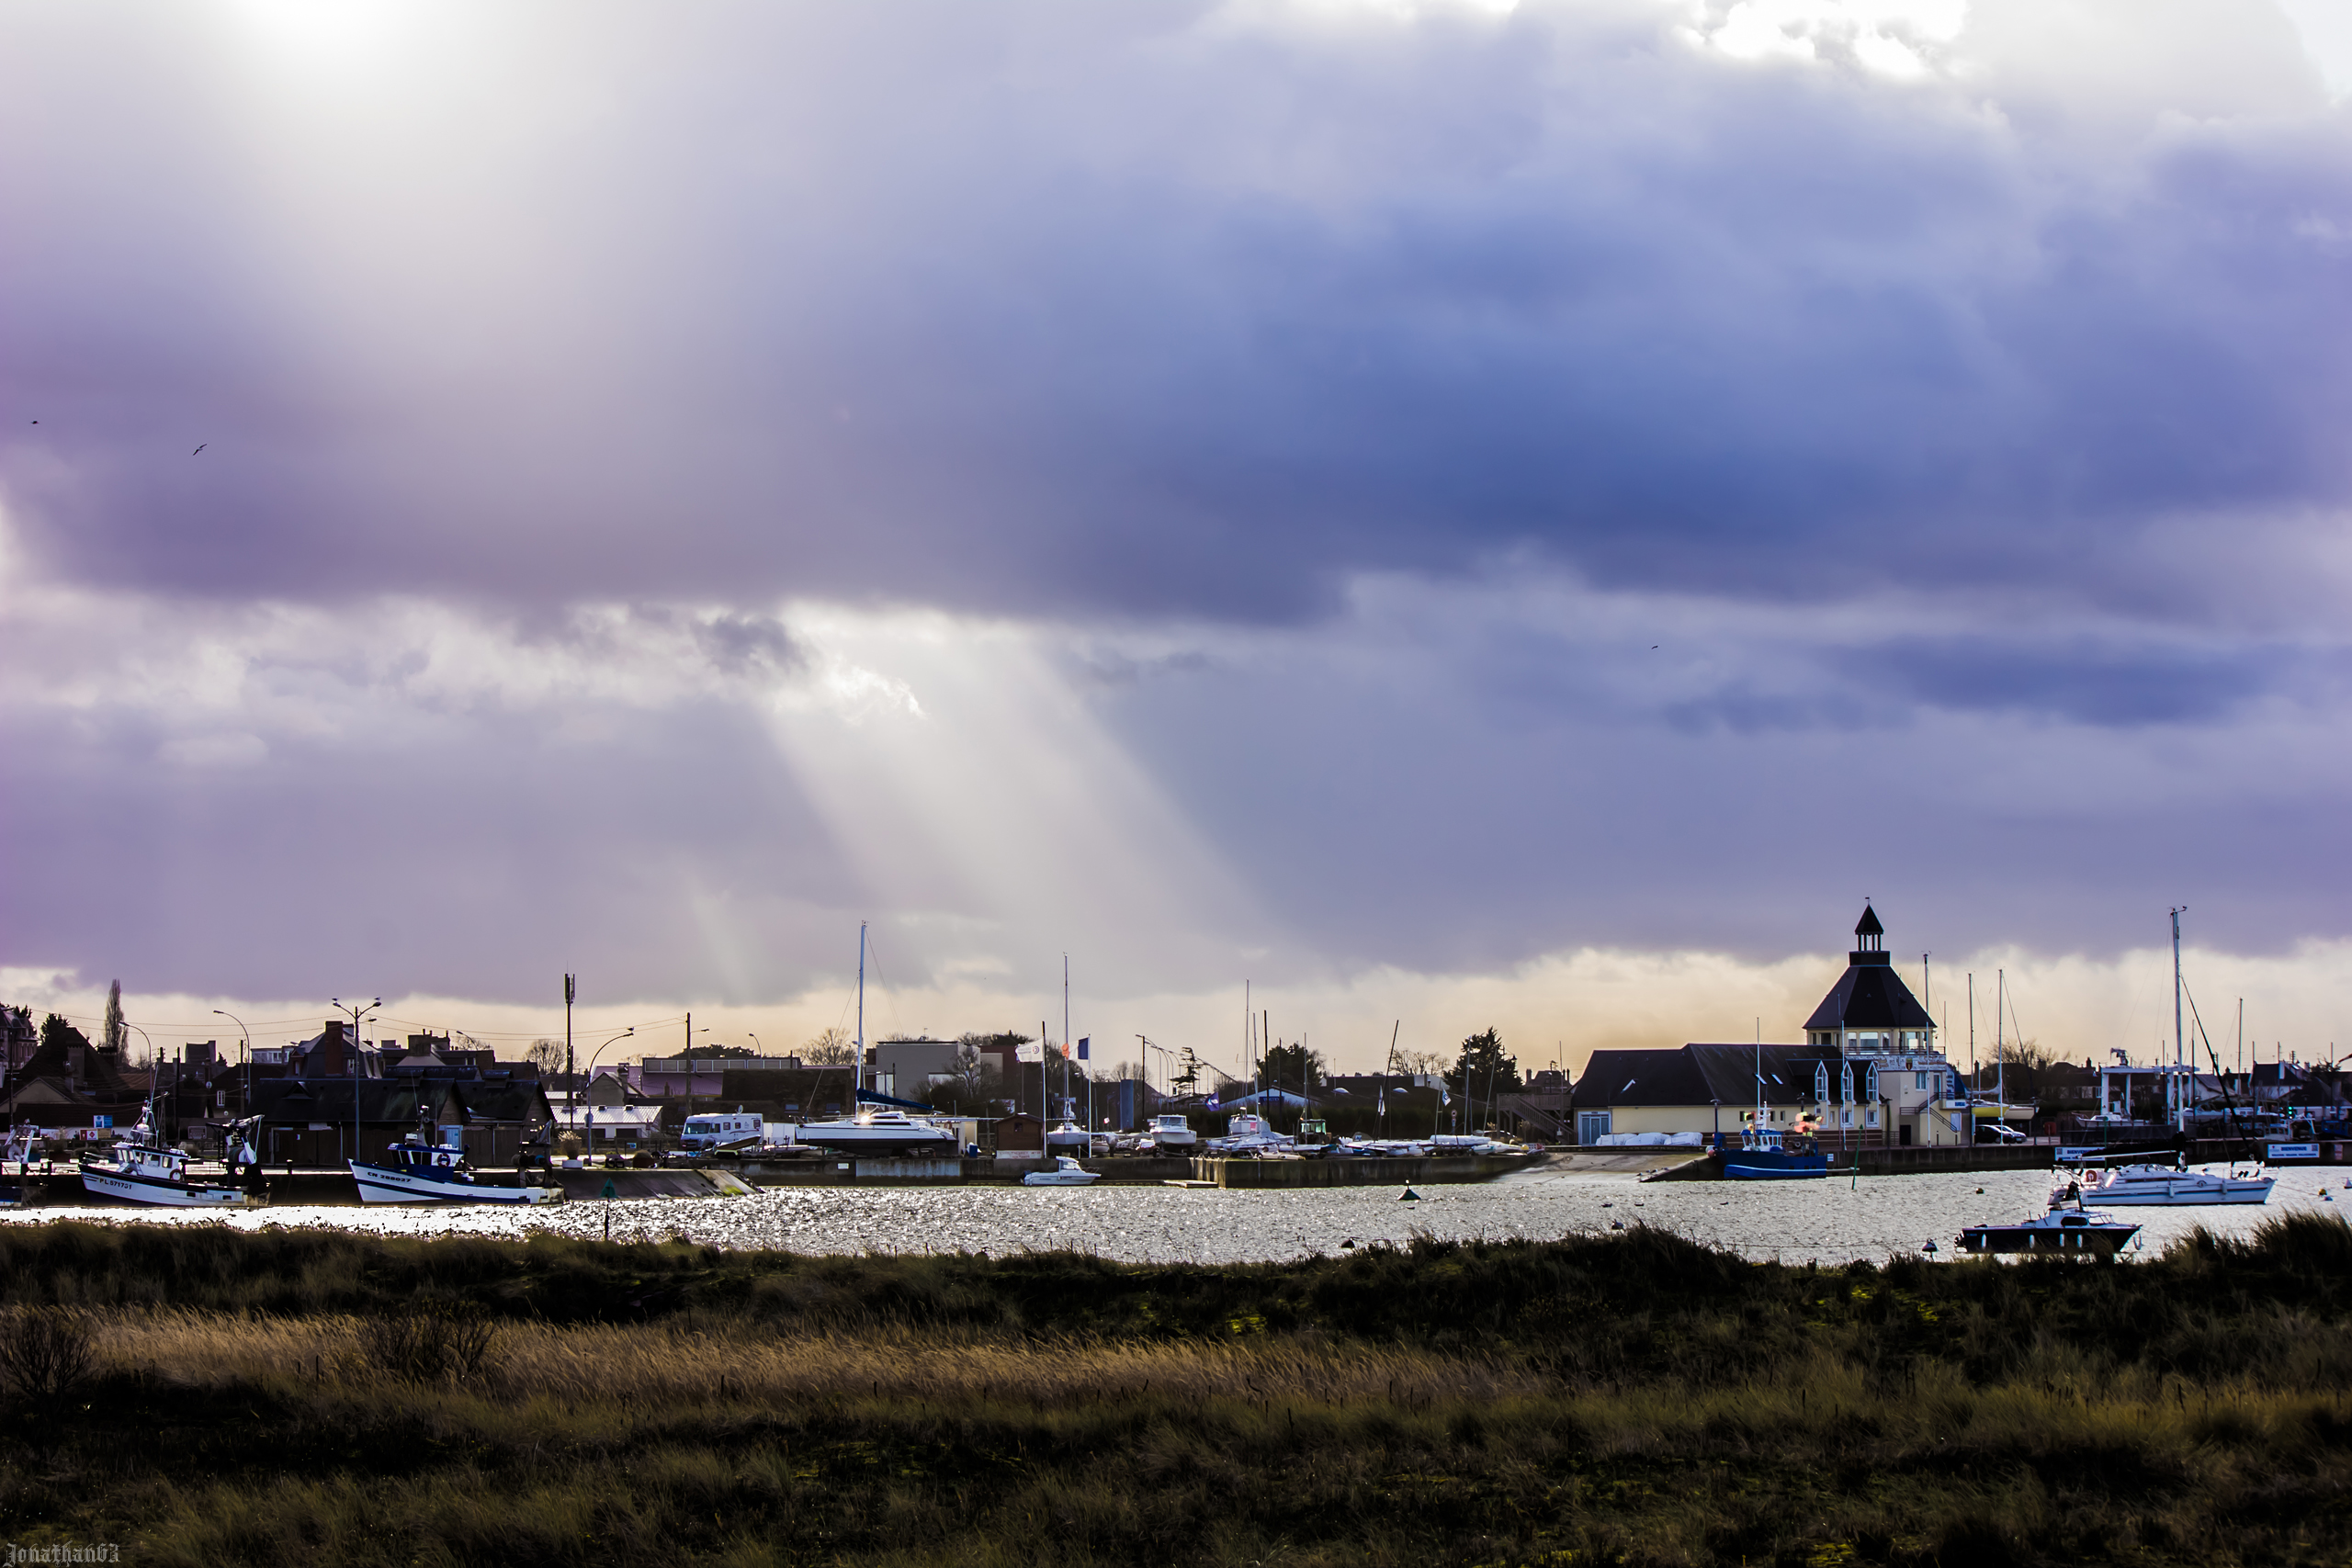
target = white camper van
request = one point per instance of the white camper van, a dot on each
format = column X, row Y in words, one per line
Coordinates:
column 710, row 1131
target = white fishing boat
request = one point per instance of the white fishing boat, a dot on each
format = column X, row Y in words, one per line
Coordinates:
column 2157, row 1186
column 415, row 1171
column 1251, row 1134
column 1067, row 1172
column 144, row 1170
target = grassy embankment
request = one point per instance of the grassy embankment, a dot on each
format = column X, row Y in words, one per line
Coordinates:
column 307, row 1397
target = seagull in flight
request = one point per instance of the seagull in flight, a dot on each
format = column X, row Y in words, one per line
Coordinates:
column 200, row 448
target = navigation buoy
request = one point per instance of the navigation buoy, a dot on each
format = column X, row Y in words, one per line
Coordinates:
column 1408, row 1196
column 1929, row 1249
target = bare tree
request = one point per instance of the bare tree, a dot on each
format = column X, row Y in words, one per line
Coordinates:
column 546, row 1056
column 833, row 1048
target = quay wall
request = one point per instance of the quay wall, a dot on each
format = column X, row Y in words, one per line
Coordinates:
column 1140, row 1171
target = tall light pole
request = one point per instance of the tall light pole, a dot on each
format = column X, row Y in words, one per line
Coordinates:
column 245, row 1058
column 352, row 1047
column 155, row 1073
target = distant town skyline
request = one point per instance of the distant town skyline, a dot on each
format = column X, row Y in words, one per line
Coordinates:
column 1462, row 513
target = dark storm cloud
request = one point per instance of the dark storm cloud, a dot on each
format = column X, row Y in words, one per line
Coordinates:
column 1147, row 311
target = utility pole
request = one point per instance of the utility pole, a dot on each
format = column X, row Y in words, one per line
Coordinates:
column 690, row 1063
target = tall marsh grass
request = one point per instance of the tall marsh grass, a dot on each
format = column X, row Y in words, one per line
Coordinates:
column 1628, row 1400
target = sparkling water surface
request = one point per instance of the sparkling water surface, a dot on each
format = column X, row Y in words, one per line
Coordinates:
column 1834, row 1221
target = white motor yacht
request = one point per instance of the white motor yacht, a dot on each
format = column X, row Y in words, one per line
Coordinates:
column 2149, row 1186
column 1173, row 1132
column 1067, row 1172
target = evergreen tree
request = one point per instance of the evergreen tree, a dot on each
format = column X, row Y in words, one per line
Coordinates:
column 1482, row 1063
column 55, row 1031
column 115, row 1031
column 1293, row 1067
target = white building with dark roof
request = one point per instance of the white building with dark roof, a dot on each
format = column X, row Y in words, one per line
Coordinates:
column 1869, row 1072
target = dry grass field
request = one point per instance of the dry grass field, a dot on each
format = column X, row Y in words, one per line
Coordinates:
column 305, row 1398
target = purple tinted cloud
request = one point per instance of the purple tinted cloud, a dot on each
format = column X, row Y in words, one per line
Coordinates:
column 1934, row 485
column 1034, row 309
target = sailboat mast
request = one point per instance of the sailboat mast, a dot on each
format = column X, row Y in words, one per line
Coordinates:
column 1759, row 1128
column 1065, row 1036
column 2000, row 1043
column 857, row 1073
column 2179, row 1039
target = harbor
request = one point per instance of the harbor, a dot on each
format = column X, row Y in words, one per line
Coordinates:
column 1851, row 1220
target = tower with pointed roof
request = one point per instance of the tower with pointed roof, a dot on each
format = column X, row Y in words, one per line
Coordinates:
column 1870, row 1011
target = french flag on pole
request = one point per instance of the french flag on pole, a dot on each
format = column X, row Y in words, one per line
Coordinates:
column 1081, row 1047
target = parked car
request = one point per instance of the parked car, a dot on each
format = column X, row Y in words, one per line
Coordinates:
column 1998, row 1132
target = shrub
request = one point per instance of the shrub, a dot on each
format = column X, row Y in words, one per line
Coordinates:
column 47, row 1353
column 436, row 1341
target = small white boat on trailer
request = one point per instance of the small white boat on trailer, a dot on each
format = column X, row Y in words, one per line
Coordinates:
column 1067, row 1172
column 413, row 1172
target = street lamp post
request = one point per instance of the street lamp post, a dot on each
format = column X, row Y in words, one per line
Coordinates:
column 245, row 1058
column 154, row 1073
column 351, row 1047
column 592, row 1073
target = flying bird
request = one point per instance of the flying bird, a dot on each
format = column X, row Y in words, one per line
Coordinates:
column 200, row 448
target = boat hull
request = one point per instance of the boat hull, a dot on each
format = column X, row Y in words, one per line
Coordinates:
column 1773, row 1165
column 859, row 1141
column 2181, row 1194
column 382, row 1184
column 2085, row 1241
column 163, row 1194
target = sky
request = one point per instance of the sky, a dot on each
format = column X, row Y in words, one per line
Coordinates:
column 1444, row 514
